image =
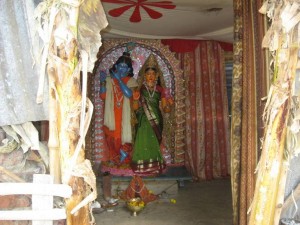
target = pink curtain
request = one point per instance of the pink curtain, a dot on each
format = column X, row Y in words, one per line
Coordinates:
column 207, row 126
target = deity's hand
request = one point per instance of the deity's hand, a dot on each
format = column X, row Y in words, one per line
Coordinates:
column 167, row 109
column 166, row 106
column 170, row 101
column 168, row 96
column 116, row 75
column 136, row 95
column 125, row 90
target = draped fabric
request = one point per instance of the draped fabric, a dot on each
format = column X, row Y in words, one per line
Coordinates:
column 18, row 69
column 182, row 45
column 207, row 126
column 147, row 157
column 248, row 88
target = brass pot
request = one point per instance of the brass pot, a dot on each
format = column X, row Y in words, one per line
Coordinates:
column 135, row 205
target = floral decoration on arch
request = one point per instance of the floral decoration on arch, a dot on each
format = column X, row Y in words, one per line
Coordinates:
column 137, row 4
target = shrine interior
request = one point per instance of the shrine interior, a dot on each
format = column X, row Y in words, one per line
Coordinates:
column 196, row 133
column 172, row 154
column 149, row 112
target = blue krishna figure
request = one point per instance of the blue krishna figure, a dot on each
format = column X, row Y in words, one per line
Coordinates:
column 116, row 90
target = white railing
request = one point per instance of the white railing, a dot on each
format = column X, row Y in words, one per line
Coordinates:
column 42, row 190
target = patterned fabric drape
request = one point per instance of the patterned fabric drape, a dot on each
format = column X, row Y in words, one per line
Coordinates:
column 207, row 126
column 248, row 88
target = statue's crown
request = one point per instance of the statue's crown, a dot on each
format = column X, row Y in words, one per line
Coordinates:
column 151, row 62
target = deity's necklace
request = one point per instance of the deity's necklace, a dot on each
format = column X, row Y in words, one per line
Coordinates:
column 119, row 100
column 151, row 94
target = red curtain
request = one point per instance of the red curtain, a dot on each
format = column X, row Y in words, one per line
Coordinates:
column 207, row 126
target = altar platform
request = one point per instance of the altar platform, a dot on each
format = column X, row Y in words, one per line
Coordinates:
column 169, row 182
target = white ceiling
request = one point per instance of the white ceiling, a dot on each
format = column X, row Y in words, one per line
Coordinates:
column 190, row 19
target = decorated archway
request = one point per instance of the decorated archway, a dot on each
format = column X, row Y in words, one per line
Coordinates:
column 174, row 144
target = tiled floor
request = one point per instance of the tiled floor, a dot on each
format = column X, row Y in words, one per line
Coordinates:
column 201, row 203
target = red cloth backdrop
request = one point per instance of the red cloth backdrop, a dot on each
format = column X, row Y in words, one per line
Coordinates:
column 207, row 126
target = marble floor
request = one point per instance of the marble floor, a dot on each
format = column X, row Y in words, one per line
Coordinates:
column 196, row 203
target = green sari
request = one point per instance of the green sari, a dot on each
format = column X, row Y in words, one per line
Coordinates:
column 147, row 158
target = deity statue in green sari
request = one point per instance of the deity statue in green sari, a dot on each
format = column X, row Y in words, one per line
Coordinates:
column 148, row 103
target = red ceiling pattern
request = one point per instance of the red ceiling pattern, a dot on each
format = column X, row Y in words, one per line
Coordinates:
column 137, row 5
